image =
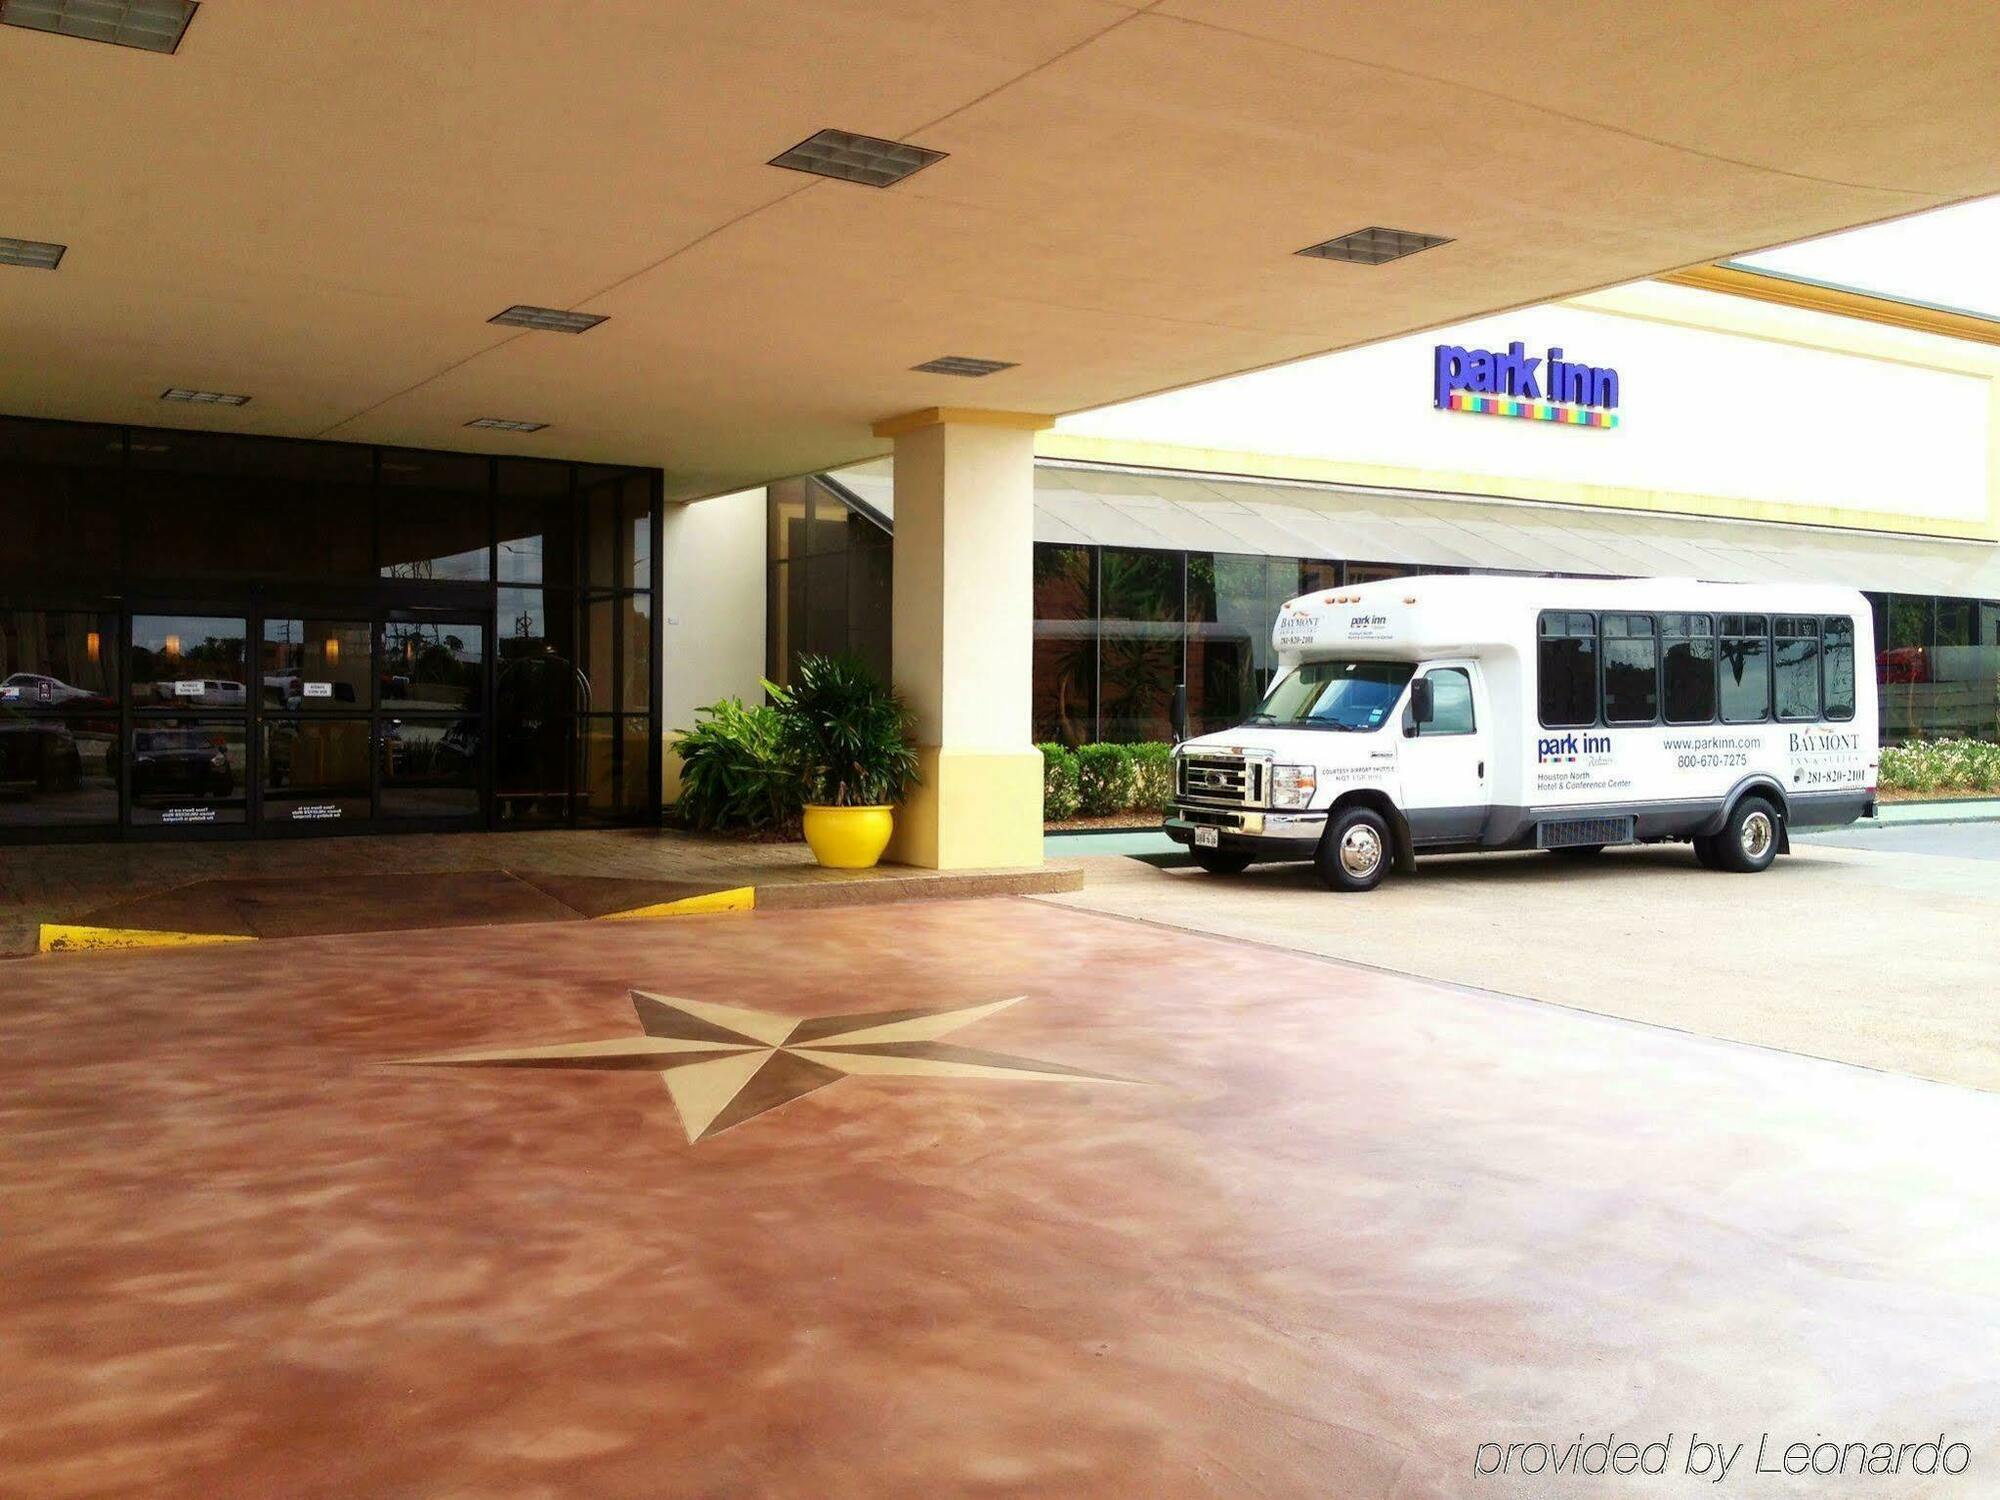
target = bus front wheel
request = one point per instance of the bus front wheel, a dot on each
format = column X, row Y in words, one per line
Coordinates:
column 1356, row 852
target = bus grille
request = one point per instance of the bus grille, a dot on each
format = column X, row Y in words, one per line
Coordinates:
column 1570, row 833
column 1220, row 780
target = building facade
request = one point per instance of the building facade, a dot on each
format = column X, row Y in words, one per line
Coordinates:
column 1748, row 442
column 207, row 635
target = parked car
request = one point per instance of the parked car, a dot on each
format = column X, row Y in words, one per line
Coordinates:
column 32, row 688
column 179, row 760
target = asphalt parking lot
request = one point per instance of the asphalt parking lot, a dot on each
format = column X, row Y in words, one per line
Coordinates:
column 1869, row 946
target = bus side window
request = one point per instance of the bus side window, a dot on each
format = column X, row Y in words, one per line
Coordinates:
column 1566, row 669
column 1690, row 668
column 1837, row 653
column 1795, row 666
column 1451, row 702
column 1631, row 670
column 1746, row 670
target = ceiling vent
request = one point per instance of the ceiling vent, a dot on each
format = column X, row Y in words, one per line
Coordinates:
column 865, row 159
column 547, row 319
column 962, row 364
column 1375, row 245
column 149, row 25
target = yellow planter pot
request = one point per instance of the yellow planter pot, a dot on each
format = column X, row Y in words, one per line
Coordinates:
column 848, row 838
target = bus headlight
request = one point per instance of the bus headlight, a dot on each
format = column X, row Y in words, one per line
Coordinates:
column 1293, row 786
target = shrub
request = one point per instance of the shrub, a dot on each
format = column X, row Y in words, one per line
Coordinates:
column 1152, row 776
column 734, row 773
column 1061, row 794
column 1941, row 766
column 1105, row 779
column 845, row 731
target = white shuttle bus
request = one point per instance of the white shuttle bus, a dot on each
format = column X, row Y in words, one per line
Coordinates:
column 1443, row 714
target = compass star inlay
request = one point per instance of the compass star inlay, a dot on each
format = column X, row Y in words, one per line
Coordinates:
column 724, row 1064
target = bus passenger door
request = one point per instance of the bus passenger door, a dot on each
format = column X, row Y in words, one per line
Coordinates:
column 1444, row 758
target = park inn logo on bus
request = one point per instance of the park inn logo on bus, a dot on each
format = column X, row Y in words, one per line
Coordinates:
column 1516, row 384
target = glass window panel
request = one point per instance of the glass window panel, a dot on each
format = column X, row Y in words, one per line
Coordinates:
column 599, row 646
column 788, row 507
column 635, row 628
column 1065, row 681
column 597, row 751
column 194, row 526
column 58, row 659
column 435, row 521
column 826, row 605
column 316, row 771
column 618, row 530
column 433, row 666
column 1318, row 573
column 1745, row 672
column 57, row 770
column 188, row 772
column 1631, row 670
column 870, row 602
column 1566, row 671
column 188, row 661
column 532, row 762
column 1141, row 646
column 1451, row 702
column 1229, row 655
column 1065, row 585
column 535, row 524
column 60, row 522
column 317, row 666
column 635, row 520
column 1795, row 675
column 828, row 533
column 1837, row 650
column 430, row 768
column 634, row 771
column 1690, row 679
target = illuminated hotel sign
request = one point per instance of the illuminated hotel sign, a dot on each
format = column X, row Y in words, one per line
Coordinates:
column 1542, row 388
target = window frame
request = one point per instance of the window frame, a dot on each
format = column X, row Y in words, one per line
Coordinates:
column 1767, row 713
column 1818, row 639
column 1604, row 663
column 1853, row 668
column 1714, row 638
column 1425, row 731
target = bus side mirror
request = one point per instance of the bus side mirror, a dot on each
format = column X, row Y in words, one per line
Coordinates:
column 1180, row 712
column 1421, row 707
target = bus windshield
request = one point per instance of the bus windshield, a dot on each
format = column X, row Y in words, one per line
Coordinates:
column 1346, row 695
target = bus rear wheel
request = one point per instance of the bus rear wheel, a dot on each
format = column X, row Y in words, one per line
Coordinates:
column 1749, row 840
column 1356, row 851
column 1221, row 861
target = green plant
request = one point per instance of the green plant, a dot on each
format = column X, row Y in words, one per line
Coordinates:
column 1152, row 776
column 844, row 732
column 1061, row 794
column 1104, row 779
column 734, row 773
column 1941, row 766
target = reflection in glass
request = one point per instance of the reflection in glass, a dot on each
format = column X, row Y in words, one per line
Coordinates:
column 1140, row 653
column 1746, row 670
column 430, row 768
column 635, row 626
column 434, row 516
column 536, row 532
column 57, row 659
column 188, row 661
column 188, row 772
column 433, row 666
column 597, row 746
column 315, row 771
column 57, row 770
column 316, row 666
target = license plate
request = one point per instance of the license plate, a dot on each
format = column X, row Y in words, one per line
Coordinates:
column 1207, row 838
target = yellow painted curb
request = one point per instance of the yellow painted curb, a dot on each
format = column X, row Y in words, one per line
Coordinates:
column 61, row 937
column 742, row 898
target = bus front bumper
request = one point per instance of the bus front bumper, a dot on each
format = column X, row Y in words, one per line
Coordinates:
column 1259, row 834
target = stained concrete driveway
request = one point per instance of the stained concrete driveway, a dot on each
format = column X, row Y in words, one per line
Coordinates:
column 1866, row 954
column 1188, row 1218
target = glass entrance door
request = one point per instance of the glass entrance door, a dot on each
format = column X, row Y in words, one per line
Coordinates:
column 186, row 754
column 430, row 727
column 315, row 723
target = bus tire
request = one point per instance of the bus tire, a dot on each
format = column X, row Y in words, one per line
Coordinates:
column 1221, row 861
column 1704, row 851
column 1356, row 852
column 1749, row 839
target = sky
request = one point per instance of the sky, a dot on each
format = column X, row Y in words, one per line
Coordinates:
column 1945, row 257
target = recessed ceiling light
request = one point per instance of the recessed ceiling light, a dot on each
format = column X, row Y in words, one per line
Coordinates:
column 202, row 398
column 962, row 364
column 1373, row 246
column 150, row 25
column 36, row 255
column 866, row 159
column 548, row 319
column 503, row 424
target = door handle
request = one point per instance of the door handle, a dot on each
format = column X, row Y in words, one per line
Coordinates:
column 1482, row 770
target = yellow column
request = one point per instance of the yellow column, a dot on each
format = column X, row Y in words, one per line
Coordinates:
column 964, row 636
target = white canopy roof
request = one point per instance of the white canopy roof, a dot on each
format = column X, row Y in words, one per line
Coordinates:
column 1117, row 507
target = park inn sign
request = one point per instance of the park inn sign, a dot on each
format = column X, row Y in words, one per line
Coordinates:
column 1544, row 387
